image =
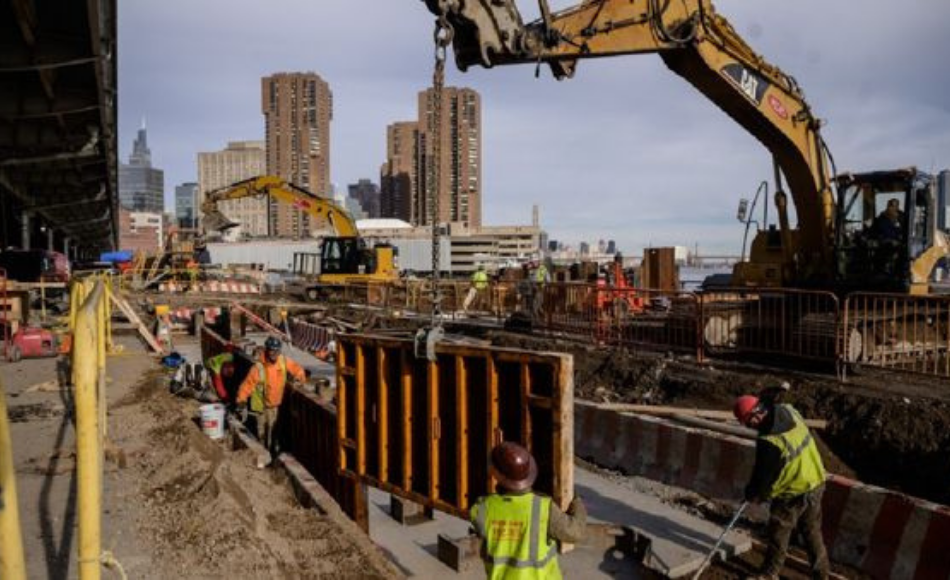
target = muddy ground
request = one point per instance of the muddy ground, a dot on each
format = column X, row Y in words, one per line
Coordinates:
column 207, row 511
column 884, row 428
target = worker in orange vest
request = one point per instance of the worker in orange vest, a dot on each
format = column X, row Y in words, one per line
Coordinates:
column 264, row 386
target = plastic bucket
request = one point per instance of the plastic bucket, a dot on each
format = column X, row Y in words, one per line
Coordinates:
column 212, row 420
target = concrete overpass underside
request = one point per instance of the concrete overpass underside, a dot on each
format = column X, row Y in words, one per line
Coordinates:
column 58, row 148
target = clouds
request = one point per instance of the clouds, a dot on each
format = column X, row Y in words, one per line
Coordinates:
column 626, row 150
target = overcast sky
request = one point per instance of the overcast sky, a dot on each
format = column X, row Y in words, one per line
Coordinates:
column 626, row 150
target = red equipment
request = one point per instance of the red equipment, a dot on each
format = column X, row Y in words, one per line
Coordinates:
column 32, row 343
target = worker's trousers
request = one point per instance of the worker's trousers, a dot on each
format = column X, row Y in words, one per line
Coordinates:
column 804, row 513
column 266, row 422
column 470, row 298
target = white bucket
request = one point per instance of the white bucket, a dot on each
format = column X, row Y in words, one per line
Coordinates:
column 212, row 420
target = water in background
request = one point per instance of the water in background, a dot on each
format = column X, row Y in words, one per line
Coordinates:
column 691, row 278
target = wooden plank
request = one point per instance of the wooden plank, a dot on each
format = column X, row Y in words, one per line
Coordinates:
column 495, row 434
column 360, row 410
column 564, row 433
column 405, row 373
column 432, row 406
column 342, row 401
column 382, row 413
column 461, row 425
column 525, row 384
column 667, row 411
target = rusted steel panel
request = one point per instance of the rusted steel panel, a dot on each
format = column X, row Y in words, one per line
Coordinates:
column 430, row 426
column 900, row 332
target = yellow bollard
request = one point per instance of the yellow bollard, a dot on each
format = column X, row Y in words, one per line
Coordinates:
column 11, row 542
column 85, row 367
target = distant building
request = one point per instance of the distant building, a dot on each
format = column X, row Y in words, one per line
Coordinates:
column 141, row 186
column 238, row 161
column 399, row 174
column 297, row 108
column 611, row 247
column 460, row 164
column 943, row 192
column 366, row 193
column 140, row 231
column 553, row 245
column 186, row 204
column 584, row 249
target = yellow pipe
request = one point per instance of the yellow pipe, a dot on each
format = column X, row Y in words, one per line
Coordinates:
column 11, row 542
column 88, row 449
column 101, row 310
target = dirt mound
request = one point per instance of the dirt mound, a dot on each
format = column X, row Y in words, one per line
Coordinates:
column 209, row 512
column 883, row 429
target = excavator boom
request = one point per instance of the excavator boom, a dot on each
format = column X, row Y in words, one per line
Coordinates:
column 701, row 46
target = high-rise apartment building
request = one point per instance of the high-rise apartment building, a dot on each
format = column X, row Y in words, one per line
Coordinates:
column 238, row 161
column 399, row 174
column 186, row 204
column 460, row 162
column 141, row 186
column 366, row 193
column 297, row 108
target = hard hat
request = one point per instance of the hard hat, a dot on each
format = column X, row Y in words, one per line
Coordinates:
column 513, row 466
column 745, row 407
column 272, row 343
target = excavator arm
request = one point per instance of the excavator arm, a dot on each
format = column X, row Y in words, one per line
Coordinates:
column 699, row 45
column 323, row 210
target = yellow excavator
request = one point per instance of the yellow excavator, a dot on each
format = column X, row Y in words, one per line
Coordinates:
column 344, row 258
column 842, row 241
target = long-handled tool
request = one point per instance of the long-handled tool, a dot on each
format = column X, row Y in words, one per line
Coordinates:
column 722, row 536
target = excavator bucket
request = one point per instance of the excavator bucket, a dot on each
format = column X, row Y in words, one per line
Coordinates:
column 215, row 221
column 485, row 32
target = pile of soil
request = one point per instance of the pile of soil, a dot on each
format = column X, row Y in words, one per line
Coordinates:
column 885, row 429
column 209, row 512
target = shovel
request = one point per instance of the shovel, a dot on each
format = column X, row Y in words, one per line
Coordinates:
column 722, row 536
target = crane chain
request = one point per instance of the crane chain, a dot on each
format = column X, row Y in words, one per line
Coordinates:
column 443, row 38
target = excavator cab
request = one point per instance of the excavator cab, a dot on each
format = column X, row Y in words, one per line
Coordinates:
column 346, row 256
column 886, row 229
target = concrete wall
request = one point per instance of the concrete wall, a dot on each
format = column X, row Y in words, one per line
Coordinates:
column 883, row 533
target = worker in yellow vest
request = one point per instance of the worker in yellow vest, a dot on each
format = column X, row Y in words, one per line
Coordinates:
column 788, row 473
column 264, row 386
column 479, row 285
column 519, row 528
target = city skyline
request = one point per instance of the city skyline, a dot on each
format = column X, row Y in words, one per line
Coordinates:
column 624, row 150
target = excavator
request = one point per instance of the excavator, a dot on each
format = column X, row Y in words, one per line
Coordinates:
column 836, row 244
column 344, row 258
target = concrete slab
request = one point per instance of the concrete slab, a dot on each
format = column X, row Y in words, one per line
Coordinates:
column 678, row 540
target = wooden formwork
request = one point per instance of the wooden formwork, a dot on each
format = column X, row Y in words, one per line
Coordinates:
column 424, row 430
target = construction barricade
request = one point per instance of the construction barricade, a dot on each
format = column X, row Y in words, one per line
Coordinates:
column 424, row 430
column 900, row 332
column 12, row 564
column 797, row 324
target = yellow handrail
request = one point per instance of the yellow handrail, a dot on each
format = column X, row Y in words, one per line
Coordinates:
column 88, row 355
column 12, row 565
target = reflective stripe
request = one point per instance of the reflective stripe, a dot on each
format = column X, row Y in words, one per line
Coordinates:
column 798, row 450
column 516, row 563
column 535, row 529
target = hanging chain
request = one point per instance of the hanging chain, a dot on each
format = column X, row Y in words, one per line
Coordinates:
column 443, row 38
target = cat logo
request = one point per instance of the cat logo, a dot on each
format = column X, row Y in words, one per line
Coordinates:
column 750, row 84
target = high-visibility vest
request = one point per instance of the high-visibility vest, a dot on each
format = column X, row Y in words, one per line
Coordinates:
column 258, row 395
column 541, row 274
column 215, row 363
column 480, row 280
column 802, row 469
column 514, row 532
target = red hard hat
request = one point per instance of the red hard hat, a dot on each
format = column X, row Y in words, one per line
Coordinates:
column 745, row 407
column 513, row 466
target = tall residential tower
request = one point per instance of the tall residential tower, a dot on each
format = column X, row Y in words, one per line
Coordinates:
column 238, row 161
column 297, row 108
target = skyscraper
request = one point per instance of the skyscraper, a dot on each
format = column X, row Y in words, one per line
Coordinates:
column 460, row 164
column 366, row 193
column 238, row 161
column 399, row 174
column 297, row 108
column 186, row 204
column 141, row 186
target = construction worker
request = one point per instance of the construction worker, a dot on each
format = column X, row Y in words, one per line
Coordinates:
column 479, row 285
column 789, row 473
column 518, row 527
column 540, row 277
column 221, row 367
column 192, row 269
column 264, row 386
